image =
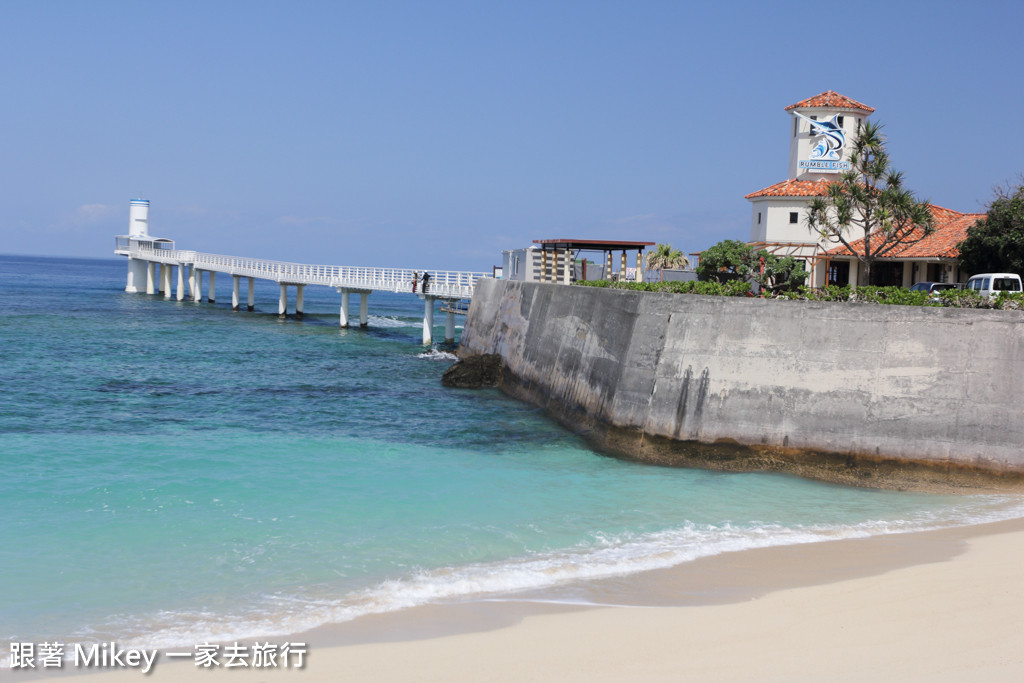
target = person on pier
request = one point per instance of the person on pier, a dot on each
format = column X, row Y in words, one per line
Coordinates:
column 426, row 279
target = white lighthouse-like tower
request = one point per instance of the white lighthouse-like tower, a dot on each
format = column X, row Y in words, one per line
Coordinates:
column 138, row 229
column 138, row 218
column 145, row 253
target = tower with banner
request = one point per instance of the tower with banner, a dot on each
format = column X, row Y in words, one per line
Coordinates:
column 821, row 130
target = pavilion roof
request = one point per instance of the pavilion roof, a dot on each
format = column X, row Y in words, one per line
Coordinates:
column 594, row 245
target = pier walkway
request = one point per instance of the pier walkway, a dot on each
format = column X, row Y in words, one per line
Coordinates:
column 146, row 254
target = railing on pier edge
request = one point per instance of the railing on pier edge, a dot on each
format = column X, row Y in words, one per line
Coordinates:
column 447, row 284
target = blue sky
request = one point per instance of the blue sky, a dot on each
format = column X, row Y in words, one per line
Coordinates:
column 435, row 134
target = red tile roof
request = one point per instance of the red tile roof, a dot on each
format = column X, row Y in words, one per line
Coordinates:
column 950, row 230
column 832, row 100
column 793, row 188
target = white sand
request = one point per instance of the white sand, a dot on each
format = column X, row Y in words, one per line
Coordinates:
column 955, row 620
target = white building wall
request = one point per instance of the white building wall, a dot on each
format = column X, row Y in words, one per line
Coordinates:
column 775, row 215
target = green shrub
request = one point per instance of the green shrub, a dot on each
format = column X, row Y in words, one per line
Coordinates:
column 1009, row 301
column 898, row 296
column 829, row 293
column 732, row 288
column 893, row 295
column 959, row 298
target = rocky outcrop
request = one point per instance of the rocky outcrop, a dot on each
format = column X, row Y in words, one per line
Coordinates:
column 474, row 372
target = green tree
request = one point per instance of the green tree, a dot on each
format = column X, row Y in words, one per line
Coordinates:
column 664, row 256
column 734, row 260
column 725, row 261
column 780, row 274
column 868, row 202
column 995, row 244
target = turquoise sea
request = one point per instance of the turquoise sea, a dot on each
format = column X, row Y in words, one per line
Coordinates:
column 175, row 472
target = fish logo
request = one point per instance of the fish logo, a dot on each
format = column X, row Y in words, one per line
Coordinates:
column 832, row 141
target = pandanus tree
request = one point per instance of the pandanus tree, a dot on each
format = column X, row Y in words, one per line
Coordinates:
column 867, row 209
column 664, row 256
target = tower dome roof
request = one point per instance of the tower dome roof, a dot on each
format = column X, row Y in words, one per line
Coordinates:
column 832, row 100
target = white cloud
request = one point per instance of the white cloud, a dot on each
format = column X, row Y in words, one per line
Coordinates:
column 192, row 211
column 92, row 213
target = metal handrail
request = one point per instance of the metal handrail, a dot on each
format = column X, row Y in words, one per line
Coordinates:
column 443, row 283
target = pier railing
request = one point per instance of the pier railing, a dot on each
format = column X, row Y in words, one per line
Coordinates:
column 442, row 283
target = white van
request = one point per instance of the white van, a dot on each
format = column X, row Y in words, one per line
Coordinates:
column 990, row 284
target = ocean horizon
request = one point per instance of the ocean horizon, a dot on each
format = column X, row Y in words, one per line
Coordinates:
column 178, row 473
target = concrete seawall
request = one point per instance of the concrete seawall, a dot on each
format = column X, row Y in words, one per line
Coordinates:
column 859, row 393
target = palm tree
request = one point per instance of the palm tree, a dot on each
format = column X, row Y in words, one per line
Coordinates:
column 664, row 256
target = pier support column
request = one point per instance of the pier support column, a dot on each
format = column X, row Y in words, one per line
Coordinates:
column 639, row 267
column 543, row 265
column 166, row 273
column 622, row 267
column 554, row 266
column 136, row 273
column 181, row 282
column 343, row 321
column 282, row 301
column 234, row 292
column 567, row 271
column 211, row 297
column 428, row 320
column 150, row 277
column 299, row 300
column 197, row 288
column 449, row 326
column 364, row 309
column 608, row 266
column 192, row 282
column 251, row 302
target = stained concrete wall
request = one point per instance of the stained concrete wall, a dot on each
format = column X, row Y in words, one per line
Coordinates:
column 926, row 385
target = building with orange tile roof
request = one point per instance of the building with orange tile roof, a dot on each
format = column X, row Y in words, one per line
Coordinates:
column 822, row 126
column 932, row 258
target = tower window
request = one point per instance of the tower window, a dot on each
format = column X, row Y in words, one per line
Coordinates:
column 839, row 120
column 794, row 217
column 759, row 218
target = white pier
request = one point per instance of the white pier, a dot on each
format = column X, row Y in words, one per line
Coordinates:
column 145, row 254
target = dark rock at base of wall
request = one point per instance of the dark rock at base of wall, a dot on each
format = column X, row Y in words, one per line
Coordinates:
column 474, row 372
column 864, row 470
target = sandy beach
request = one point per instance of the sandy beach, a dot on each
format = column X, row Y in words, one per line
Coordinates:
column 944, row 605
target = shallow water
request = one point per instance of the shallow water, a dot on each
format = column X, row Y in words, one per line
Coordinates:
column 177, row 472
